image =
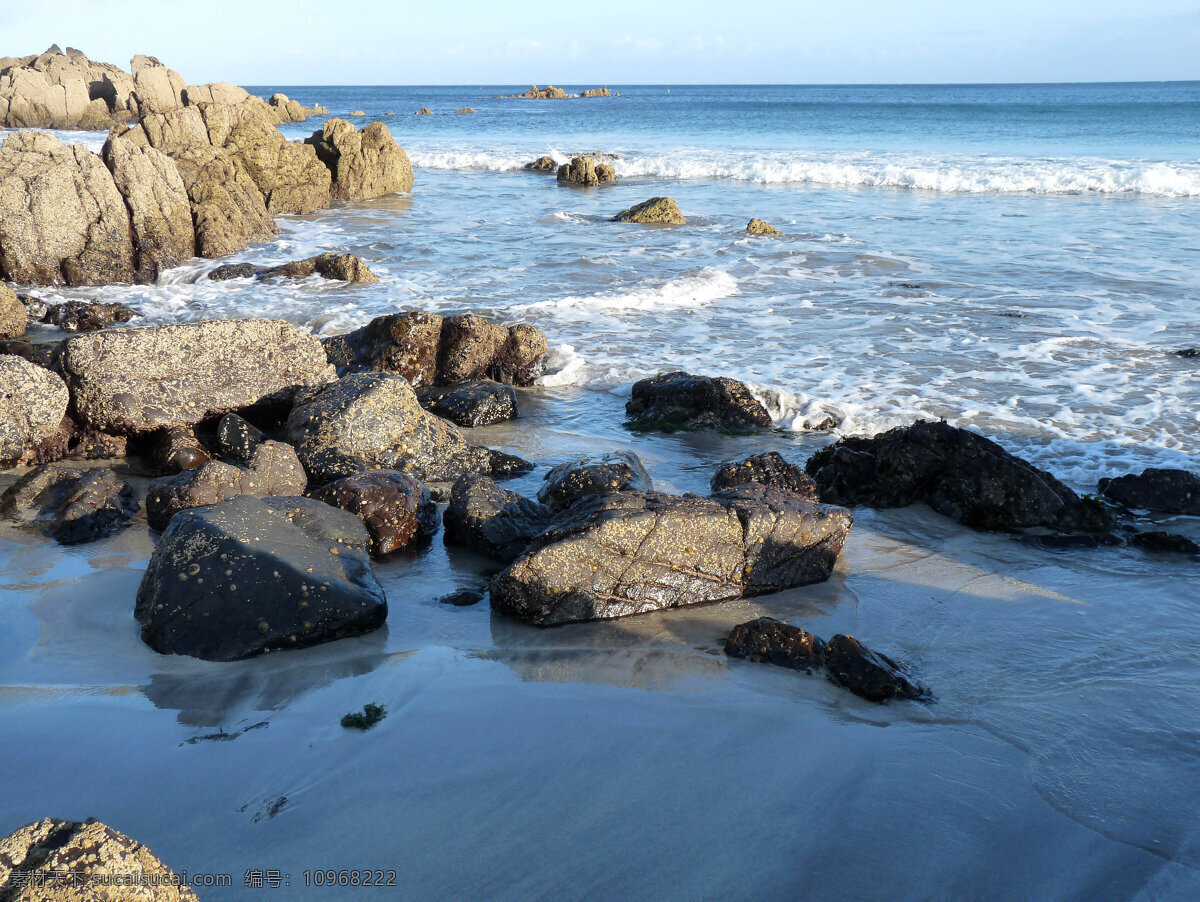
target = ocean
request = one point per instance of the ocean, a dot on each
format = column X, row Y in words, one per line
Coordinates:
column 1016, row 259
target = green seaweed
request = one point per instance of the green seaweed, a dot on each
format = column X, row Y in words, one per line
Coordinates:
column 371, row 714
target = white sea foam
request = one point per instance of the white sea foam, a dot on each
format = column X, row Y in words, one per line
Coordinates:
column 695, row 289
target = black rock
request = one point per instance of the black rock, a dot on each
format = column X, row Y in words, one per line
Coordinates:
column 255, row 574
column 770, row 641
column 1168, row 491
column 616, row 472
column 866, row 673
column 177, row 449
column 491, row 520
column 480, row 402
column 237, row 439
column 70, row 506
column 766, row 469
column 86, row 316
column 395, row 507
column 236, row 271
column 678, row 401
column 1189, row 352
column 1167, row 542
column 463, row 598
column 956, row 472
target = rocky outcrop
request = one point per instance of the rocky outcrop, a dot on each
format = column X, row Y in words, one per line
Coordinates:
column 14, row 319
column 126, row 381
column 758, row 227
column 363, row 164
column 256, row 574
column 465, row 111
column 547, row 93
column 340, row 267
column 62, row 219
column 395, row 507
column 33, row 403
column 284, row 109
column 635, row 552
column 70, row 506
column 65, row 90
column 424, row 111
column 676, row 401
column 372, row 421
column 491, row 520
column 956, row 472
column 1165, row 491
column 427, row 349
column 480, row 402
column 543, row 164
column 769, row 469
column 68, row 861
column 847, row 661
column 607, row 474
column 598, row 92
column 156, row 89
column 585, row 171
column 274, row 470
column 655, row 211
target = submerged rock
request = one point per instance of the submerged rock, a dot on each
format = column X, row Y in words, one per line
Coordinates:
column 364, row 164
column 956, row 472
column 635, row 552
column 1164, row 490
column 758, row 227
column 227, row 271
column 491, row 520
column 771, row 641
column 135, row 380
column 479, row 402
column 866, row 673
column 679, row 400
column 1165, row 542
column 374, row 421
column 395, row 507
column 607, row 474
column 341, row 267
column 465, row 110
column 255, row 574
column 33, row 403
column 86, row 316
column 68, row 861
column 655, row 211
column 463, row 598
column 274, row 470
column 71, row 506
column 768, row 469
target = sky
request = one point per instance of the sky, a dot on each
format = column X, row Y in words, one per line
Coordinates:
column 472, row 42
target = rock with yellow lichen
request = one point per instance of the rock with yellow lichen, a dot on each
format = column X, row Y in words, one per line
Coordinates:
column 620, row 471
column 256, row 574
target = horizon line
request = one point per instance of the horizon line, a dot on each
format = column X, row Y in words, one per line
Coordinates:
column 733, row 84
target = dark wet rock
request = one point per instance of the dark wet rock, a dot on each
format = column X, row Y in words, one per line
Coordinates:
column 227, row 271
column 86, row 316
column 177, row 449
column 768, row 469
column 88, row 444
column 126, row 381
column 758, row 227
column 404, row 343
column 395, row 507
column 38, row 354
column 68, row 861
column 1166, row 542
column 255, row 574
column 33, row 404
column 371, row 421
column 491, row 520
column 364, row 164
column 770, row 641
column 1165, row 490
column 956, row 472
column 71, row 506
column 237, row 439
column 676, row 401
column 655, row 211
column 635, row 552
column 866, row 673
column 479, row 402
column 463, row 598
column 274, row 470
column 543, row 164
column 14, row 318
column 339, row 267
column 607, row 474
column 1067, row 541
column 1188, row 352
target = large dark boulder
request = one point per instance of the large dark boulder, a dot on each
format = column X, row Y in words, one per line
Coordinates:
column 956, row 472
column 866, row 673
column 607, row 474
column 395, row 507
column 372, row 421
column 675, row 401
column 634, row 552
column 255, row 574
column 238, row 439
column 771, row 641
column 1165, row 491
column 71, row 506
column 274, row 470
column 768, row 469
column 480, row 402
column 491, row 520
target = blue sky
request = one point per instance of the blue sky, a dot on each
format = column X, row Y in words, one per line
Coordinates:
column 620, row 42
